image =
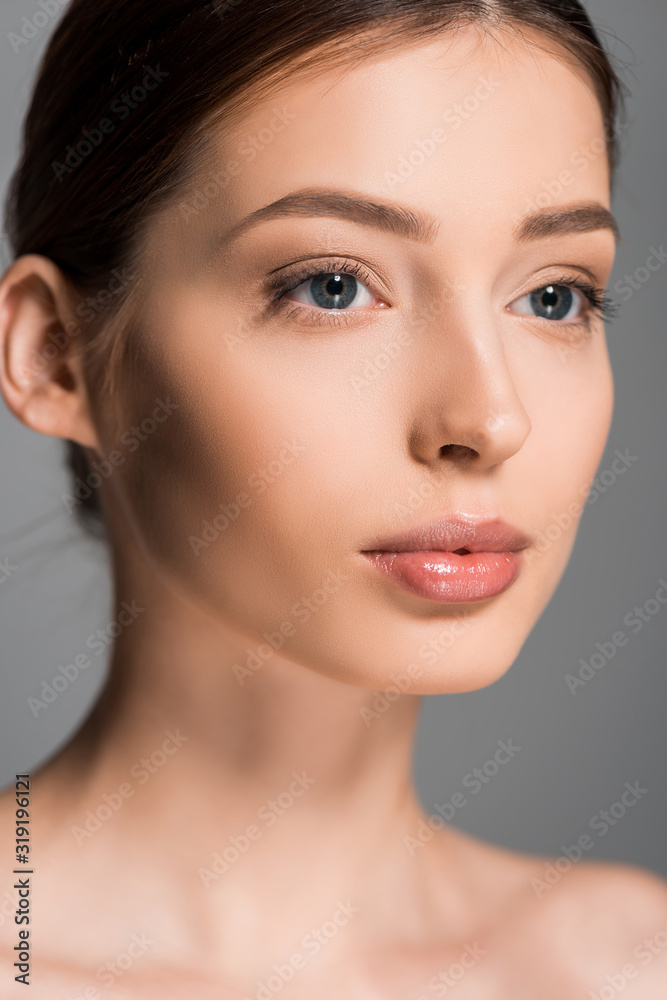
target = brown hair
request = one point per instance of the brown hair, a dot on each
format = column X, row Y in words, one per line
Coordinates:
column 127, row 89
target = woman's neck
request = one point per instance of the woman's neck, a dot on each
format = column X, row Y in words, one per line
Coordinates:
column 255, row 804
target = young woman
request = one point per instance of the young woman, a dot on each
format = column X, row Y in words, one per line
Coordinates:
column 280, row 270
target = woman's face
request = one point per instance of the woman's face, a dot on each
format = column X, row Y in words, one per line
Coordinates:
column 425, row 383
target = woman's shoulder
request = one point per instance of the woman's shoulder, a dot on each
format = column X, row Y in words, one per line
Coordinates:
column 591, row 926
column 612, row 919
column 571, row 876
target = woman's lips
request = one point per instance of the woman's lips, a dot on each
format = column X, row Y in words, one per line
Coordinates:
column 448, row 577
column 455, row 560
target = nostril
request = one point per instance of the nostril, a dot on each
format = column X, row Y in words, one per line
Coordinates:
column 457, row 451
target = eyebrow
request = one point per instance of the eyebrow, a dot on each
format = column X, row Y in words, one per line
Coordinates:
column 393, row 219
column 585, row 219
column 411, row 224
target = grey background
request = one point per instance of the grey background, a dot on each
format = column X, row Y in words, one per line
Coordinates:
column 577, row 751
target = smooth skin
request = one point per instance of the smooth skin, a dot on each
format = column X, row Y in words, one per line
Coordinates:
column 525, row 404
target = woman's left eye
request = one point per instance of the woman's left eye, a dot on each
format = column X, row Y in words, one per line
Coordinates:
column 558, row 303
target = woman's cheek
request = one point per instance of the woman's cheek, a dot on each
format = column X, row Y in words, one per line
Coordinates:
column 571, row 419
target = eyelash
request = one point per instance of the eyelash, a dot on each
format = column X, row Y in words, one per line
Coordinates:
column 281, row 286
column 601, row 305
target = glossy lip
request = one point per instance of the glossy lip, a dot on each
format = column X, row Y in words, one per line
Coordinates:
column 453, row 561
column 449, row 534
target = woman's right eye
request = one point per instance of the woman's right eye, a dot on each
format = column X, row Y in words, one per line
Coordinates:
column 325, row 291
column 332, row 290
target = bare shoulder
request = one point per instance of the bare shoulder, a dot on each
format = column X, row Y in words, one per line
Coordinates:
column 606, row 922
column 608, row 896
column 602, row 894
column 569, row 926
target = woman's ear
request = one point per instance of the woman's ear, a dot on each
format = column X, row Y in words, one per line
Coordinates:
column 41, row 366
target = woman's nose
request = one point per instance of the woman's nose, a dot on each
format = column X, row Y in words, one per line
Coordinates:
column 469, row 409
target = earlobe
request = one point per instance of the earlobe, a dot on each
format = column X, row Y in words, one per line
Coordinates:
column 41, row 369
